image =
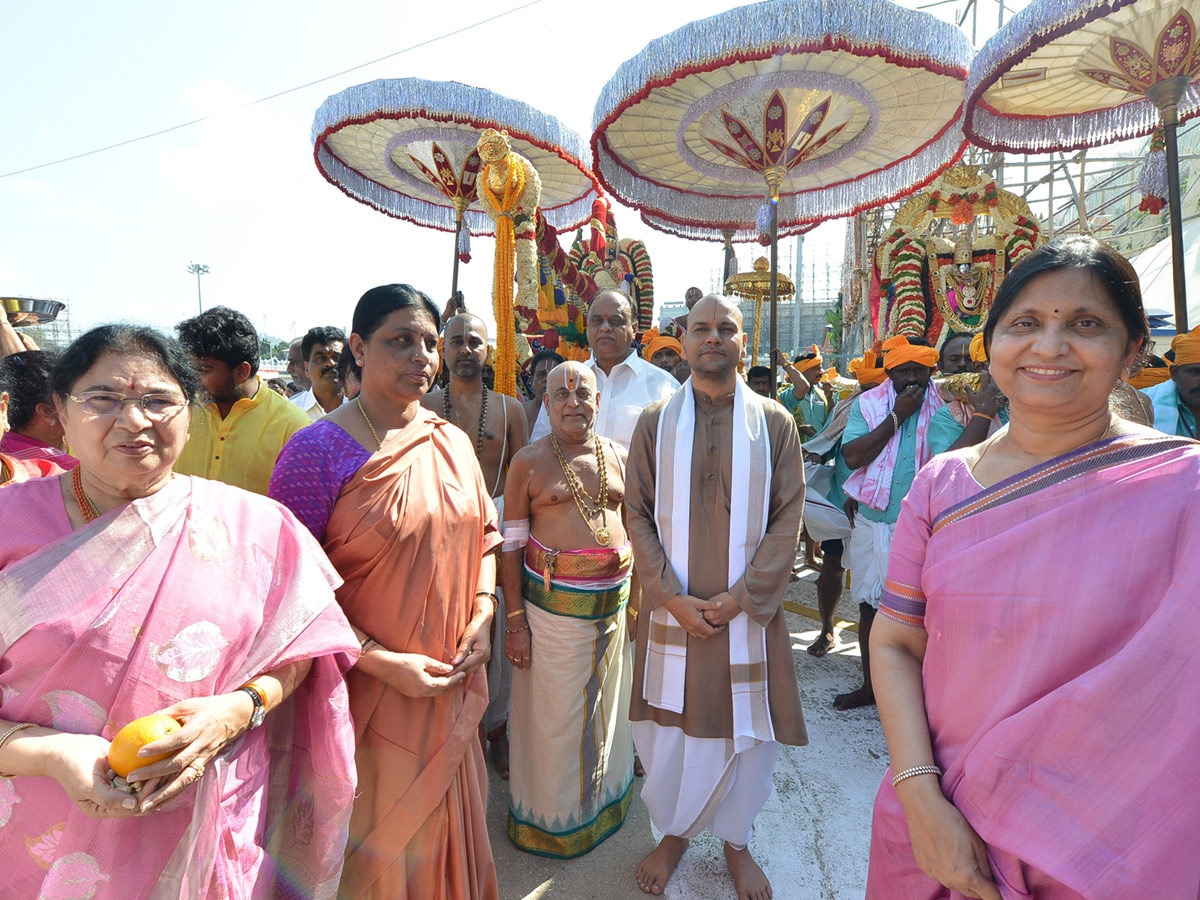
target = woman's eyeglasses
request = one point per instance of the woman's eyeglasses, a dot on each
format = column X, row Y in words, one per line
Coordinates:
column 154, row 406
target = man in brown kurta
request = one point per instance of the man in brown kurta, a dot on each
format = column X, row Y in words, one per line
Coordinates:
column 740, row 782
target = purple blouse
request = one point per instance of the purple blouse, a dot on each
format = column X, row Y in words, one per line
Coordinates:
column 311, row 471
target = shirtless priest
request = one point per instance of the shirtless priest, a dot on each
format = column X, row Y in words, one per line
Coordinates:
column 715, row 498
column 496, row 425
column 566, row 573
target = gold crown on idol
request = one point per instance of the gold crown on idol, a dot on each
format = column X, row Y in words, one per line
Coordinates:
column 962, row 176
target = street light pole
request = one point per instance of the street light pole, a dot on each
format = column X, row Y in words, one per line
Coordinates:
column 198, row 270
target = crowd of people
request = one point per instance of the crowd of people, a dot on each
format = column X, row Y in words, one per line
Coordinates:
column 351, row 598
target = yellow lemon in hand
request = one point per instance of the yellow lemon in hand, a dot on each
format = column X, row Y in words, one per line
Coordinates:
column 123, row 752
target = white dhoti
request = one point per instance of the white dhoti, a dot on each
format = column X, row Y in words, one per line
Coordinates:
column 499, row 669
column 822, row 520
column 693, row 784
column 572, row 755
column 867, row 559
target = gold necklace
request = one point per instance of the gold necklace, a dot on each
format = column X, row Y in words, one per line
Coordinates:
column 588, row 508
column 367, row 419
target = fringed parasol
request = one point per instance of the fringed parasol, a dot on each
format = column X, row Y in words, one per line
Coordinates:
column 406, row 147
column 1069, row 74
column 824, row 108
column 756, row 286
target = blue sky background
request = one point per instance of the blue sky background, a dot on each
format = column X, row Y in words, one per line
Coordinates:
column 112, row 234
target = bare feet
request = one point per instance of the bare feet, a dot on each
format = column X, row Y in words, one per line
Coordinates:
column 639, row 770
column 822, row 645
column 655, row 870
column 500, row 755
column 748, row 878
column 864, row 696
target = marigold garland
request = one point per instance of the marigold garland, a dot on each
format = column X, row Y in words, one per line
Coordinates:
column 503, row 276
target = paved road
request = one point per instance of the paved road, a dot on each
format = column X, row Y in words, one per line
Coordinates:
column 811, row 838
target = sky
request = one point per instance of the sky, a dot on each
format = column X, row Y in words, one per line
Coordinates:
column 112, row 234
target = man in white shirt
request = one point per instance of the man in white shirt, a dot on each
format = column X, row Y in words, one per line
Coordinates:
column 626, row 382
column 320, row 348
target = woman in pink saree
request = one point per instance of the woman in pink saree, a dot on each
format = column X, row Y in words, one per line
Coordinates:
column 1035, row 660
column 17, row 466
column 125, row 590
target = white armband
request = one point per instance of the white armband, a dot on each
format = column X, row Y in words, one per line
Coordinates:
column 516, row 535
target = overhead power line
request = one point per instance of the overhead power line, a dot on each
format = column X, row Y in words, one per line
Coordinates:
column 277, row 94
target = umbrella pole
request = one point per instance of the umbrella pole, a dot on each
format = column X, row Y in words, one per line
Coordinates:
column 1166, row 95
column 454, row 278
column 774, row 293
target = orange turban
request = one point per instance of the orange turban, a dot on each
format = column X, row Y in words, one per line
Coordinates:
column 830, row 375
column 1150, row 377
column 897, row 351
column 865, row 370
column 805, row 364
column 652, row 342
column 1187, row 347
column 978, row 351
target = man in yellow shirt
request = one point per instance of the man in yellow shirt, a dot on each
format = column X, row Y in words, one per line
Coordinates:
column 236, row 436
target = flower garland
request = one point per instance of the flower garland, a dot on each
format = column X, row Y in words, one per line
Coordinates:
column 908, row 311
column 502, row 278
column 963, row 205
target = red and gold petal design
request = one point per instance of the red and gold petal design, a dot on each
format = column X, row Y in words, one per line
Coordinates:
column 1175, row 44
column 445, row 172
column 774, row 128
column 749, row 146
column 1133, row 61
column 1113, row 80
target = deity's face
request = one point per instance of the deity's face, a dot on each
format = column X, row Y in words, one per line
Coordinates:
column 493, row 146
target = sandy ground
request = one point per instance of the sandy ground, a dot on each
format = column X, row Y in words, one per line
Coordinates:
column 811, row 838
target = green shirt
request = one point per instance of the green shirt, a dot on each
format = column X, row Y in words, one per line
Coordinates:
column 812, row 411
column 944, row 429
column 906, row 463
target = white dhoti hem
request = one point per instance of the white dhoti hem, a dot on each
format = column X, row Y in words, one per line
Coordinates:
column 824, row 521
column 693, row 784
column 867, row 559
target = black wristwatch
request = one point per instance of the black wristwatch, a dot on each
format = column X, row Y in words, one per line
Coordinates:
column 260, row 706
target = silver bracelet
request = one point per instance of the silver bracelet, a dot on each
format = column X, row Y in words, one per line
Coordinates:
column 915, row 770
column 895, row 421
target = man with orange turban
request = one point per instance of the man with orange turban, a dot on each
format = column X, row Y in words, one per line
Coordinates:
column 808, row 404
column 1177, row 402
column 885, row 443
column 661, row 350
column 825, row 518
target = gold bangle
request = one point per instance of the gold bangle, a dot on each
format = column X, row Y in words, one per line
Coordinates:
column 515, row 612
column 491, row 594
column 516, row 630
column 631, row 612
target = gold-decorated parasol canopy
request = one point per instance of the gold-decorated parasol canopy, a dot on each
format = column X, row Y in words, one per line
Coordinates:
column 756, row 286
